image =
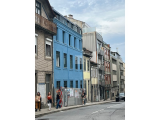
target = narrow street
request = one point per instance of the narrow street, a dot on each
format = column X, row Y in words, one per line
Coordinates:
column 107, row 111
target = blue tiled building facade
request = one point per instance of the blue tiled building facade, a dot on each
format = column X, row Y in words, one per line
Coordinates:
column 67, row 54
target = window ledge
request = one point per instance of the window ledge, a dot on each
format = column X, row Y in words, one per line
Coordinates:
column 71, row 69
column 58, row 68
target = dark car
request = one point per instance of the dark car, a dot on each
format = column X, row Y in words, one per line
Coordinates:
column 121, row 96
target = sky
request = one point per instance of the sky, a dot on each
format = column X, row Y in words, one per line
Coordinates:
column 108, row 16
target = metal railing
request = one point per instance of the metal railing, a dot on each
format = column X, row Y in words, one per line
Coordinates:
column 44, row 23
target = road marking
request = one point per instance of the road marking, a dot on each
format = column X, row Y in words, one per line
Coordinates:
column 94, row 112
column 114, row 105
column 101, row 109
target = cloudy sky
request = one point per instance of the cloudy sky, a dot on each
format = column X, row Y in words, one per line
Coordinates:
column 108, row 16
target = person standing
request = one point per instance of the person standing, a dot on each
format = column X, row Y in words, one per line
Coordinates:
column 58, row 100
column 38, row 102
column 83, row 96
column 50, row 100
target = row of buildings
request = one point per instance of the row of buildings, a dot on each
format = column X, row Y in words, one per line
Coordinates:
column 71, row 54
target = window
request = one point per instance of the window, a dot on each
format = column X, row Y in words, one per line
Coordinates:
column 35, row 44
column 74, row 42
column 71, row 84
column 112, row 94
column 114, row 61
column 80, row 63
column 81, row 84
column 57, row 58
column 65, row 60
column 38, row 7
column 88, row 65
column 71, row 62
column 65, row 84
column 48, row 47
column 76, row 63
column 58, row 84
column 69, row 40
column 121, row 73
column 76, row 84
column 63, row 36
column 84, row 64
column 47, row 83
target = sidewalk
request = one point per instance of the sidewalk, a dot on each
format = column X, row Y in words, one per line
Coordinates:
column 54, row 110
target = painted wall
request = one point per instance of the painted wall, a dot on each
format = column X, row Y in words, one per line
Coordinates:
column 86, row 74
column 66, row 74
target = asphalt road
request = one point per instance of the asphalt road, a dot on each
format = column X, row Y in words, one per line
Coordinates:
column 107, row 111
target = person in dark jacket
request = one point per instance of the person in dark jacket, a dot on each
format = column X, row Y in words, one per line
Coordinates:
column 58, row 100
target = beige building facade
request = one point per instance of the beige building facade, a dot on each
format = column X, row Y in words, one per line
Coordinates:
column 44, row 31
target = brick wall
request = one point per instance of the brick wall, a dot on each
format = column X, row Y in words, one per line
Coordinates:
column 42, row 63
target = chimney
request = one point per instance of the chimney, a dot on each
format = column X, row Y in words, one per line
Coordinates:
column 70, row 16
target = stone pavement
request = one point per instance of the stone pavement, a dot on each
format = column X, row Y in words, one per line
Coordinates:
column 53, row 109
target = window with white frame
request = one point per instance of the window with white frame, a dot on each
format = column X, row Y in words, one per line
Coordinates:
column 48, row 47
column 57, row 58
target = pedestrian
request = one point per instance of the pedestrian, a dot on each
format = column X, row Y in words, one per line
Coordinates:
column 50, row 100
column 58, row 100
column 83, row 96
column 38, row 102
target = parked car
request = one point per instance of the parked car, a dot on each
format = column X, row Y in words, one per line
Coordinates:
column 121, row 96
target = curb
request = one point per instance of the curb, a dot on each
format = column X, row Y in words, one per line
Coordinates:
column 68, row 108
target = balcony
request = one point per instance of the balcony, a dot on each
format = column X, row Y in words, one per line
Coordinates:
column 121, row 68
column 122, row 77
column 45, row 24
column 100, row 52
column 87, row 53
column 114, row 77
column 101, row 67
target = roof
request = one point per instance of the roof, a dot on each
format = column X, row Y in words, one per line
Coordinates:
column 50, row 7
column 65, row 18
column 115, row 52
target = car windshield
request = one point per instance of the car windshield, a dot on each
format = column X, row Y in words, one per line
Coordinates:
column 121, row 94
